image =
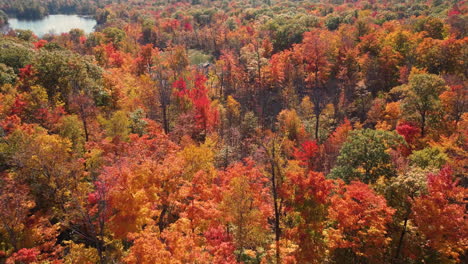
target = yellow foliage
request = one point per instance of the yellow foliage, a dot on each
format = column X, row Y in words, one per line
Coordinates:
column 80, row 254
column 233, row 107
column 198, row 158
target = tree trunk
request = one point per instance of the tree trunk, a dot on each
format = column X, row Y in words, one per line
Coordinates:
column 165, row 119
column 403, row 232
column 423, row 124
column 85, row 128
column 276, row 207
column 317, row 120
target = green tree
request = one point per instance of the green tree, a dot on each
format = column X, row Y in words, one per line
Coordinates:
column 422, row 97
column 70, row 127
column 7, row 74
column 63, row 73
column 429, row 157
column 114, row 35
column 118, row 125
column 14, row 54
column 3, row 18
column 364, row 156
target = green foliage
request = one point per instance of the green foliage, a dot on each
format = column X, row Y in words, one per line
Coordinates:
column 365, row 156
column 332, row 22
column 430, row 157
column 203, row 16
column 434, row 27
column 115, row 157
column 197, row 57
column 71, row 127
column 7, row 75
column 114, row 35
column 64, row 72
column 15, row 54
column 138, row 124
column 249, row 123
column 102, row 15
column 3, row 18
column 422, row 98
column 26, row 35
column 118, row 125
column 287, row 30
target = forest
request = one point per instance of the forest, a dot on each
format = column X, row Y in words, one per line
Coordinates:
column 243, row 131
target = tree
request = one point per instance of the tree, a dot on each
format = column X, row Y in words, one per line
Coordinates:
column 291, row 126
column 440, row 216
column 29, row 236
column 148, row 248
column 246, row 205
column 84, row 106
column 7, row 75
column 430, row 157
column 409, row 133
column 114, row 35
column 364, row 156
column 274, row 164
column 206, row 116
column 44, row 162
column 316, row 52
column 433, row 27
column 15, row 55
column 118, row 125
column 3, row 18
column 454, row 102
column 402, row 192
column 136, row 197
column 307, row 193
column 64, row 73
column 422, row 97
column 15, row 206
column 306, row 153
column 359, row 218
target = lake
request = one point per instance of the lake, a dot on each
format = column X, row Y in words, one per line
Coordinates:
column 55, row 24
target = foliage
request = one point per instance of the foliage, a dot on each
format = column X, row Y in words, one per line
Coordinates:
column 361, row 217
column 365, row 156
column 235, row 132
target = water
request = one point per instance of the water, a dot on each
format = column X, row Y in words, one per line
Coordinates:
column 55, row 24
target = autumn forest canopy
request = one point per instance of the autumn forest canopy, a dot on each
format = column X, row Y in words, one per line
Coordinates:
column 215, row 131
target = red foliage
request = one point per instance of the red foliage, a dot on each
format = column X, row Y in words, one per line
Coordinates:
column 188, row 26
column 455, row 11
column 10, row 123
column 39, row 44
column 220, row 245
column 170, row 25
column 18, row 105
column 50, row 116
column 441, row 214
column 310, row 187
column 25, row 255
column 26, row 72
column 83, row 39
column 361, row 217
column 144, row 59
column 408, row 131
column 206, row 117
column 114, row 57
column 180, row 87
column 308, row 194
column 307, row 153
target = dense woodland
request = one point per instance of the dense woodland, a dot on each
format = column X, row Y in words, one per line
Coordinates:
column 200, row 131
column 36, row 9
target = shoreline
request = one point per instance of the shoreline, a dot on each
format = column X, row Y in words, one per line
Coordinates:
column 44, row 17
